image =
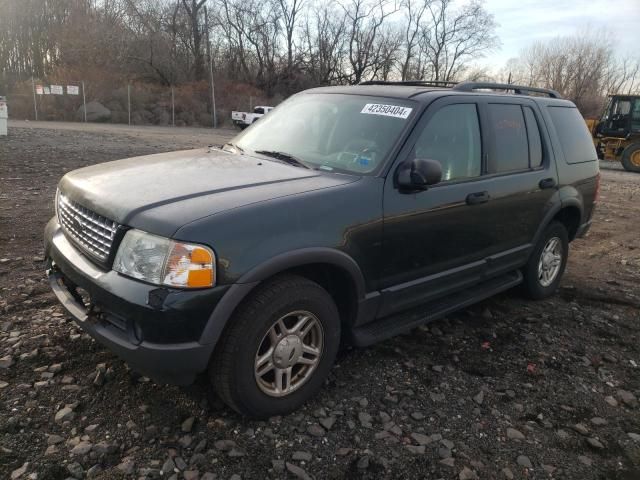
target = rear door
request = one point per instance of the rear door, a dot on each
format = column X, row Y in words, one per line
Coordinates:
column 520, row 173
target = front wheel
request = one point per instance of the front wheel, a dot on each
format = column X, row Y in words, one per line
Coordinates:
column 631, row 158
column 279, row 348
column 548, row 260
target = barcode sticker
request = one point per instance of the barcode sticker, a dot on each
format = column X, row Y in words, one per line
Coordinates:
column 386, row 110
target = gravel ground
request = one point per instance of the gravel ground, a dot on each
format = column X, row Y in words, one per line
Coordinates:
column 506, row 389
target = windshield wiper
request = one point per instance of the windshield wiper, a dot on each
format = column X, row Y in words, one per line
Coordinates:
column 285, row 157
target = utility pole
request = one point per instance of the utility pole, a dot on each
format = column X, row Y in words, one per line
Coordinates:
column 213, row 91
column 35, row 105
column 84, row 102
column 173, row 108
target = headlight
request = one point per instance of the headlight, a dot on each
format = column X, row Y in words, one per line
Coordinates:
column 162, row 261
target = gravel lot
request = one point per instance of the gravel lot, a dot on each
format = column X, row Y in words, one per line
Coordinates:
column 507, row 389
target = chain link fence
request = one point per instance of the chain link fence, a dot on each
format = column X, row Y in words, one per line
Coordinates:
column 133, row 103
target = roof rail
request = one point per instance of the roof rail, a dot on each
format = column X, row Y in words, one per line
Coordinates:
column 412, row 83
column 517, row 89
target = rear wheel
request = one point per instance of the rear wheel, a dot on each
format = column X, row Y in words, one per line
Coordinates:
column 631, row 158
column 548, row 260
column 279, row 349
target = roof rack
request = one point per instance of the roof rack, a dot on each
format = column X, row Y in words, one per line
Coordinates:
column 470, row 86
column 412, row 83
column 517, row 89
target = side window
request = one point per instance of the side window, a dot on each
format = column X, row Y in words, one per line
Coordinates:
column 575, row 139
column 635, row 116
column 619, row 117
column 452, row 137
column 511, row 146
column 533, row 134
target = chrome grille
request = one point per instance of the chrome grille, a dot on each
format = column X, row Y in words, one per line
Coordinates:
column 93, row 233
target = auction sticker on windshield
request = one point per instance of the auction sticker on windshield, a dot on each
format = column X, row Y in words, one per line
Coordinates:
column 386, row 110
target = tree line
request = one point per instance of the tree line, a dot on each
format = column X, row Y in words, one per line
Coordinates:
column 583, row 67
column 282, row 46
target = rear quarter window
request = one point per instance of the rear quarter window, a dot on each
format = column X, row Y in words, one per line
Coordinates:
column 573, row 134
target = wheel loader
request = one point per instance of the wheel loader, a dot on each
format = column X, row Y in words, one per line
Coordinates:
column 617, row 133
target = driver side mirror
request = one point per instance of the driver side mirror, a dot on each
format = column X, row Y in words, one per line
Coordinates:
column 418, row 174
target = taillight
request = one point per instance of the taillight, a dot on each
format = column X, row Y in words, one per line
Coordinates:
column 597, row 195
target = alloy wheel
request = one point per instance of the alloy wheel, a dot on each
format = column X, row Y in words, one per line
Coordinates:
column 289, row 353
column 550, row 261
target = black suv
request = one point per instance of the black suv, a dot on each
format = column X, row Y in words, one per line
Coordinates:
column 348, row 214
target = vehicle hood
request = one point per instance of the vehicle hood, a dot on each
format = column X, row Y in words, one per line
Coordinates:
column 162, row 192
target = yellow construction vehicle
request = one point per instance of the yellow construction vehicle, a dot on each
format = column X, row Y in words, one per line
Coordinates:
column 617, row 133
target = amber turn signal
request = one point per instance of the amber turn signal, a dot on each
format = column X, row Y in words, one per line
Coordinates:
column 191, row 266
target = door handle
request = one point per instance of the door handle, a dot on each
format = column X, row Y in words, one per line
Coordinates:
column 547, row 183
column 477, row 198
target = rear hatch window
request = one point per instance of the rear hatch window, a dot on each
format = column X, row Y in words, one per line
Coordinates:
column 573, row 134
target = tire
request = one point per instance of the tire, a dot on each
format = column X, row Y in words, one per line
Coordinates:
column 631, row 158
column 233, row 372
column 538, row 285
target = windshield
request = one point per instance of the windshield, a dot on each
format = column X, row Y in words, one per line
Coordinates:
column 332, row 132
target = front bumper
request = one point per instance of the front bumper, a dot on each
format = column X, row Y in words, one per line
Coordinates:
column 156, row 330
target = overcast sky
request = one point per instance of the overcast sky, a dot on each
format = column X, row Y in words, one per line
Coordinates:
column 522, row 22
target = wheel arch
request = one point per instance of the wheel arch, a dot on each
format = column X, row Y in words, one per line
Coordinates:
column 334, row 270
column 570, row 217
column 568, row 212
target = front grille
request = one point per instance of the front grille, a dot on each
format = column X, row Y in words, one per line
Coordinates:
column 93, row 233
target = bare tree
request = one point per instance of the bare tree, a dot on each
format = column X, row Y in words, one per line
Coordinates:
column 451, row 38
column 145, row 23
column 278, row 47
column 414, row 12
column 623, row 76
column 264, row 36
column 193, row 8
column 581, row 67
column 290, row 11
column 235, row 24
column 388, row 46
column 364, row 20
column 324, row 32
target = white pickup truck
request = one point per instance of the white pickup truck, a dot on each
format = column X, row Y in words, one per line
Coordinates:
column 244, row 119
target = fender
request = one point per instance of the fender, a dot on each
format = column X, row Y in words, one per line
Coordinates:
column 247, row 282
column 572, row 202
column 306, row 256
column 559, row 204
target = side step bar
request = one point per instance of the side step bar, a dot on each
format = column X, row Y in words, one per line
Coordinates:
column 388, row 327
